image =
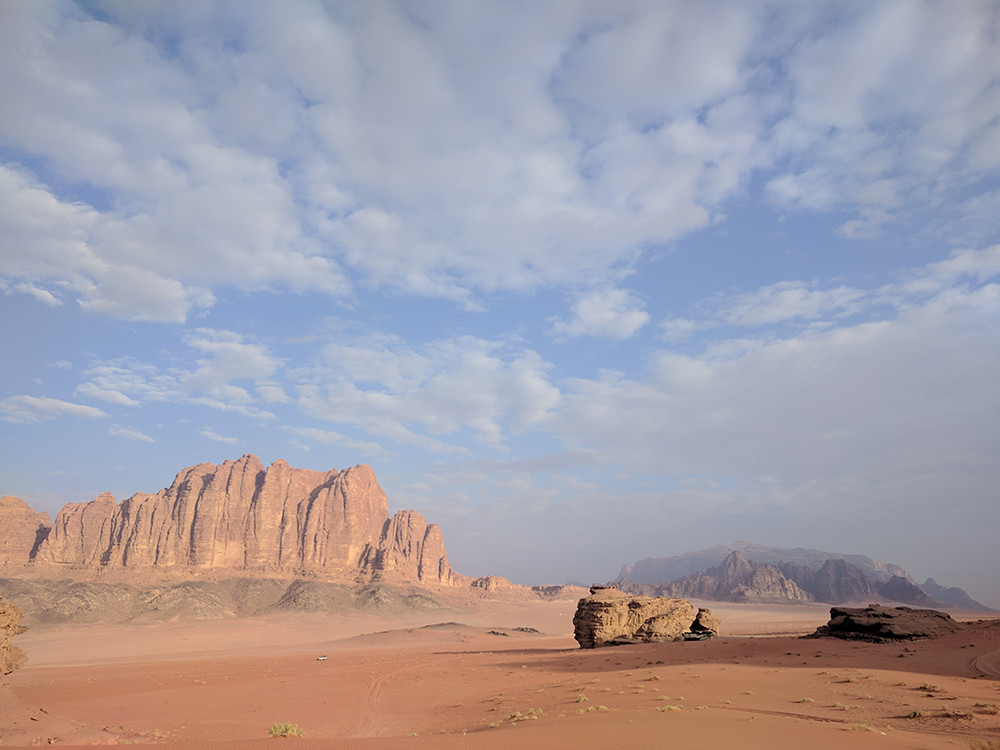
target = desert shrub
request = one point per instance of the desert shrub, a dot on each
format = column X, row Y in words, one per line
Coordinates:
column 285, row 729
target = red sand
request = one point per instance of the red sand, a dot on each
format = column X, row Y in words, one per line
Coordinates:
column 221, row 684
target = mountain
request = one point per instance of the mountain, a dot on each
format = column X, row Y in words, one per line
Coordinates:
column 834, row 580
column 735, row 579
column 237, row 516
column 660, row 569
column 953, row 595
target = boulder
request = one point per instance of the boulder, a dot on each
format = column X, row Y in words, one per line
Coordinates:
column 11, row 657
column 879, row 623
column 706, row 622
column 610, row 617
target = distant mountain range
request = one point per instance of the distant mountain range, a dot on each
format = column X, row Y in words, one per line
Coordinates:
column 748, row 572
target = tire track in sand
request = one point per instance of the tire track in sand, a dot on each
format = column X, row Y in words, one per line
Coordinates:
column 366, row 723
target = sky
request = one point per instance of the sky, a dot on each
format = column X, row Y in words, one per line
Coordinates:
column 584, row 282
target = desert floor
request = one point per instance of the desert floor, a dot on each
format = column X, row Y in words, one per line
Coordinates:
column 470, row 678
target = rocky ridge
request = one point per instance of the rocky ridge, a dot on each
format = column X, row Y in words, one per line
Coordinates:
column 656, row 570
column 237, row 516
column 737, row 579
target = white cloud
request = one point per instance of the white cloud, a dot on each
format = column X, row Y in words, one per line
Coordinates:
column 328, row 437
column 885, row 104
column 209, row 380
column 37, row 408
column 211, row 435
column 856, row 403
column 425, row 151
column 42, row 295
column 607, row 313
column 129, row 433
column 441, row 389
column 229, row 357
column 806, row 304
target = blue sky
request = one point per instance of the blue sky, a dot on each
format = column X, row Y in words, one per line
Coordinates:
column 583, row 282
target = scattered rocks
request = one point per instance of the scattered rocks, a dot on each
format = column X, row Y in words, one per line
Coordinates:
column 609, row 617
column 879, row 623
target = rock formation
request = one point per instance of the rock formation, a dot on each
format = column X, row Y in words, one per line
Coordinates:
column 838, row 581
column 735, row 579
column 23, row 531
column 240, row 516
column 611, row 617
column 11, row 657
column 904, row 590
column 706, row 622
column 953, row 595
column 878, row 623
column 655, row 570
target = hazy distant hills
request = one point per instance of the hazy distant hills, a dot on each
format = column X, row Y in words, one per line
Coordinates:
column 748, row 572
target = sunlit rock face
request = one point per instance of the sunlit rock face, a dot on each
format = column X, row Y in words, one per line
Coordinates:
column 611, row 617
column 240, row 516
column 23, row 530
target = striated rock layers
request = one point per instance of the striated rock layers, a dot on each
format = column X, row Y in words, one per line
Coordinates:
column 23, row 531
column 11, row 657
column 240, row 516
column 879, row 623
column 611, row 617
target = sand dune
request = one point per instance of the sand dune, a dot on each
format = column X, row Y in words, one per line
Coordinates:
column 475, row 680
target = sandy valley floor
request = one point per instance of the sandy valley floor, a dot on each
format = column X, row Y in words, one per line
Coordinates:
column 472, row 679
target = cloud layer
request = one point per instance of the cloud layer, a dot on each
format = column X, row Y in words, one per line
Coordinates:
column 634, row 277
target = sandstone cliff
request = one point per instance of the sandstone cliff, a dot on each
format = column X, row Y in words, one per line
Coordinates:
column 22, row 531
column 240, row 516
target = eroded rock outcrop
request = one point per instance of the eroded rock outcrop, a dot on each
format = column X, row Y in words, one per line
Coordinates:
column 11, row 657
column 879, row 623
column 706, row 622
column 611, row 617
column 240, row 516
column 409, row 549
column 23, row 531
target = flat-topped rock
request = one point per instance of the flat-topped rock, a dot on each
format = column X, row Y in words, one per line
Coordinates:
column 878, row 623
column 610, row 617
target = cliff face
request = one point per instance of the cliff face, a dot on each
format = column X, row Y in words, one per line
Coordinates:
column 22, row 531
column 737, row 579
column 241, row 516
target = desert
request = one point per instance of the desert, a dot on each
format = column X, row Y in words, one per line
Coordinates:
column 245, row 606
column 499, row 674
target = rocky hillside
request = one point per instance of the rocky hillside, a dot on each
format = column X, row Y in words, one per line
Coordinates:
column 660, row 569
column 726, row 573
column 237, row 516
column 737, row 579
